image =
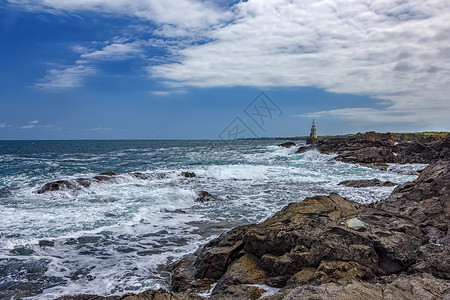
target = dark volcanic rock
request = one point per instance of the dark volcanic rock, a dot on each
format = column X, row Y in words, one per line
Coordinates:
column 287, row 144
column 188, row 174
column 366, row 183
column 57, row 185
column 204, row 196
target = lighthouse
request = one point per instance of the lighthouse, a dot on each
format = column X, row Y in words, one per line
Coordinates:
column 312, row 139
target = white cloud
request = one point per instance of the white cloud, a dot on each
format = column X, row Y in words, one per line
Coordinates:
column 115, row 51
column 30, row 125
column 169, row 92
column 2, row 125
column 100, row 129
column 397, row 51
column 66, row 77
column 184, row 13
column 27, row 126
column 72, row 76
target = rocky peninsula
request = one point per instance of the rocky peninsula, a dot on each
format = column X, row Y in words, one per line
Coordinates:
column 328, row 247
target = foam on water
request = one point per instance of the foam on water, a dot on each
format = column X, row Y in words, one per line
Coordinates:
column 117, row 236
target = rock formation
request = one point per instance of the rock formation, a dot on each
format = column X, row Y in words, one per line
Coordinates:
column 366, row 183
column 378, row 149
column 327, row 247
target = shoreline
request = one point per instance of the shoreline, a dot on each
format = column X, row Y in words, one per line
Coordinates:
column 342, row 248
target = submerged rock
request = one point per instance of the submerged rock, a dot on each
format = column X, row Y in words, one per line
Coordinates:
column 304, row 149
column 287, row 144
column 106, row 176
column 5, row 192
column 204, row 196
column 56, row 186
column 366, row 183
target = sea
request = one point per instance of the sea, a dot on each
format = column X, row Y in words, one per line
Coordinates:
column 119, row 236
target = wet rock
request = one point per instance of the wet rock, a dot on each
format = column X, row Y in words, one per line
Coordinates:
column 103, row 178
column 84, row 182
column 45, row 243
column 56, row 186
column 23, row 251
column 109, row 173
column 5, row 192
column 188, row 174
column 287, row 145
column 301, row 150
column 366, row 183
column 141, row 176
column 204, row 196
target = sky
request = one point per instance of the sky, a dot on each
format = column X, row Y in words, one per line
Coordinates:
column 193, row 69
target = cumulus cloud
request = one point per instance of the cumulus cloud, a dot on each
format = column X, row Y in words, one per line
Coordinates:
column 185, row 13
column 395, row 51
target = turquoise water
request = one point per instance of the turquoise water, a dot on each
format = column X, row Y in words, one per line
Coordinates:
column 115, row 237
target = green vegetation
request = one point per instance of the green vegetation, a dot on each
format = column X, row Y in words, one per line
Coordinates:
column 418, row 135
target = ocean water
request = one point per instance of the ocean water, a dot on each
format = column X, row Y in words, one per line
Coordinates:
column 118, row 236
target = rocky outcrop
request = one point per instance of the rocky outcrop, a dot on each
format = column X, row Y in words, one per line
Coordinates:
column 331, row 245
column 287, row 145
column 425, row 201
column 366, row 183
column 378, row 149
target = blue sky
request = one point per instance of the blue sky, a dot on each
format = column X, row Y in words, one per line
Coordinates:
column 185, row 69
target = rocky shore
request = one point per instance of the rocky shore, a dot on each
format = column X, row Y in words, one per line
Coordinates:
column 328, row 247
